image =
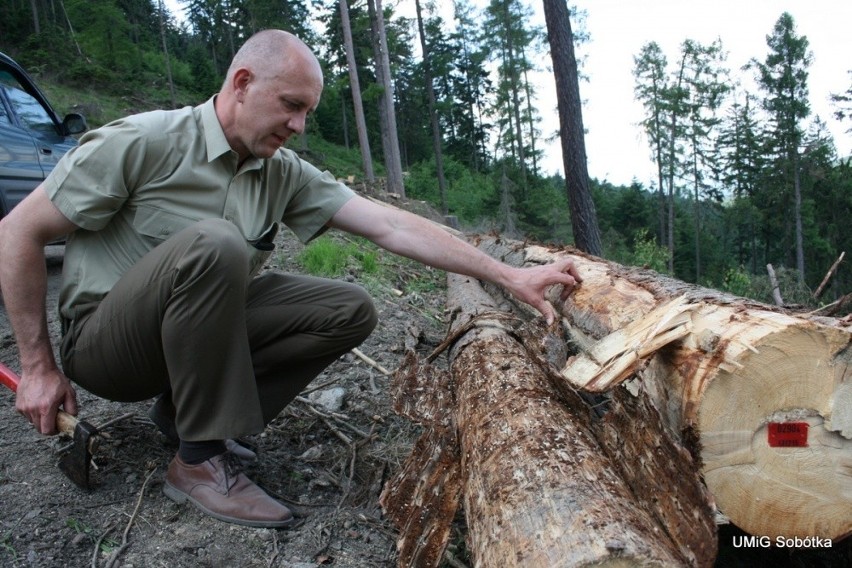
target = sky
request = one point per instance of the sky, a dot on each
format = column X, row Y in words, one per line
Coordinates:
column 616, row 148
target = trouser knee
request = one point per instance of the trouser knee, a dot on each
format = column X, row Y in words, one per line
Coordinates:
column 362, row 316
column 216, row 241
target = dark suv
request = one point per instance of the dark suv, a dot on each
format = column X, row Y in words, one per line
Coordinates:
column 32, row 137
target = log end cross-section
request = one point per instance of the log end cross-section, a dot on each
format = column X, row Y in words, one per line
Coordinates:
column 774, row 429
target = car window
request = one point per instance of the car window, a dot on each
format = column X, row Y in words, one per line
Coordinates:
column 27, row 107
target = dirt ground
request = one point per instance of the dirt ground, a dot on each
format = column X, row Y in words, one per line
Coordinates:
column 328, row 466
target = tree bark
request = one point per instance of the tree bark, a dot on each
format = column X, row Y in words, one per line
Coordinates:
column 166, row 56
column 36, row 23
column 596, row 457
column 433, row 115
column 355, row 85
column 764, row 395
column 393, row 162
column 584, row 220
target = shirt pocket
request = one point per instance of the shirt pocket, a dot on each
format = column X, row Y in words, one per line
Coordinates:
column 159, row 224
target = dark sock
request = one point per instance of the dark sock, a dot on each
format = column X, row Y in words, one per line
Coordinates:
column 195, row 453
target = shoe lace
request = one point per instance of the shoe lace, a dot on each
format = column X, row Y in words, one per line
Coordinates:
column 232, row 466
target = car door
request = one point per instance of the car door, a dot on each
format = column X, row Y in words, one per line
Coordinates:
column 32, row 138
column 20, row 164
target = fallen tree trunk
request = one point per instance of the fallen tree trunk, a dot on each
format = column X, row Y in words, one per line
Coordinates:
column 545, row 480
column 764, row 397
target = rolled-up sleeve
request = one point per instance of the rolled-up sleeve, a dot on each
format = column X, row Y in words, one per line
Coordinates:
column 91, row 182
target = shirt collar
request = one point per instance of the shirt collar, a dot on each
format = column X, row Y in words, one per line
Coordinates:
column 217, row 144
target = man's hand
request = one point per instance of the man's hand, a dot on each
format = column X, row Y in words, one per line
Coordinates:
column 40, row 396
column 530, row 284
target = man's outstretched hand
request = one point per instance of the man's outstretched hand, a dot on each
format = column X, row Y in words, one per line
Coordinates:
column 530, row 284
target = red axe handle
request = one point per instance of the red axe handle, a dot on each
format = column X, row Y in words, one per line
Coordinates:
column 64, row 421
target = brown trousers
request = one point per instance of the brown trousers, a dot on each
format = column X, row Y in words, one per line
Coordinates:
column 233, row 350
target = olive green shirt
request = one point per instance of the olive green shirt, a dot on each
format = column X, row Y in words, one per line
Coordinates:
column 135, row 182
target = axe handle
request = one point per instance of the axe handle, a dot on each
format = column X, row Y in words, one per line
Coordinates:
column 64, row 421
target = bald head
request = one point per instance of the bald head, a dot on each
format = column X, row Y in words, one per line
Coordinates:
column 274, row 53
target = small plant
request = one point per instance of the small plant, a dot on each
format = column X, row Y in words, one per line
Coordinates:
column 77, row 526
column 330, row 258
column 738, row 282
column 647, row 253
column 369, row 261
column 6, row 544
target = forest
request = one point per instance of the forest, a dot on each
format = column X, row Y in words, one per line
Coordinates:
column 442, row 105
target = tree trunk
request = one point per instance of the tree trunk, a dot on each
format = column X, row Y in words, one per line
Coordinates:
column 36, row 24
column 537, row 466
column 797, row 199
column 584, row 220
column 696, row 205
column 514, row 113
column 393, row 163
column 433, row 115
column 355, row 84
column 71, row 30
column 166, row 57
column 597, row 457
column 766, row 395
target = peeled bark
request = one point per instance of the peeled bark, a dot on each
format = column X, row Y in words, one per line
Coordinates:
column 600, row 456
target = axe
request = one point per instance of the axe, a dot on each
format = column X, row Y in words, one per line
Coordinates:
column 74, row 463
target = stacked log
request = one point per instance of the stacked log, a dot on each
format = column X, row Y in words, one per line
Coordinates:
column 591, row 444
column 538, row 486
column 766, row 395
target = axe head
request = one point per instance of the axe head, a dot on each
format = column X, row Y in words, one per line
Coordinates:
column 75, row 463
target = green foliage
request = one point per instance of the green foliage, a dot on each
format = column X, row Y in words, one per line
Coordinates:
column 342, row 162
column 120, row 69
column 792, row 292
column 470, row 195
column 647, row 253
column 324, row 257
column 738, row 282
column 6, row 544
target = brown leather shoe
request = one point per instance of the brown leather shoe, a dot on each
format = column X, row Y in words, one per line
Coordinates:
column 220, row 489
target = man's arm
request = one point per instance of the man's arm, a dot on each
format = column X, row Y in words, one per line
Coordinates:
column 414, row 237
column 23, row 279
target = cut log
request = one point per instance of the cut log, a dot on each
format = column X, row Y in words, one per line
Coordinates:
column 765, row 394
column 545, row 481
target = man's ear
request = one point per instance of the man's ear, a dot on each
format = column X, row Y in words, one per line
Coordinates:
column 240, row 82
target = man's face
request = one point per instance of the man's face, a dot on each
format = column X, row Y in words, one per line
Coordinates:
column 275, row 106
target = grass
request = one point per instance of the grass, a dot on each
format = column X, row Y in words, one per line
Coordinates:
column 6, row 544
column 334, row 256
column 331, row 258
